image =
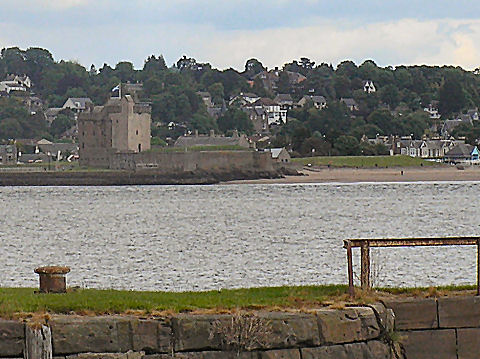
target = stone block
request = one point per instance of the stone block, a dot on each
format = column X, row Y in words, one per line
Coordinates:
column 151, row 336
column 378, row 350
column 346, row 351
column 459, row 312
column 196, row 332
column 289, row 330
column 205, row 355
column 128, row 355
column 281, row 354
column 414, row 313
column 385, row 315
column 348, row 325
column 429, row 344
column 468, row 342
column 71, row 335
column 12, row 337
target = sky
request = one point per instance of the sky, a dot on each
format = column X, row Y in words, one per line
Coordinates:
column 227, row 33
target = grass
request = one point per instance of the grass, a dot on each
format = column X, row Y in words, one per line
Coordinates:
column 18, row 300
column 365, row 161
column 93, row 301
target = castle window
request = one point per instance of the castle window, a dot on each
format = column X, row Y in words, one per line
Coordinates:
column 136, row 132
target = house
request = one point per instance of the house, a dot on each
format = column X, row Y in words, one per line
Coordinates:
column 462, row 153
column 350, row 103
column 432, row 110
column 212, row 140
column 449, row 125
column 275, row 114
column 77, row 104
column 270, row 78
column 122, row 125
column 244, row 99
column 34, row 104
column 369, row 87
column 52, row 113
column 279, row 155
column 258, row 116
column 8, row 154
column 285, row 101
column 58, row 150
column 473, row 113
column 15, row 83
column 434, row 149
column 319, row 102
column 206, row 98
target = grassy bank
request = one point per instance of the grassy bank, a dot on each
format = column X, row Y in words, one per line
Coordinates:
column 365, row 161
column 14, row 300
column 93, row 301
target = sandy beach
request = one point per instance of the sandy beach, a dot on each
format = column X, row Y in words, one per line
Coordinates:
column 353, row 175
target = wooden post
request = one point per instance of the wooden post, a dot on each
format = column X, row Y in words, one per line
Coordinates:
column 365, row 265
column 351, row 289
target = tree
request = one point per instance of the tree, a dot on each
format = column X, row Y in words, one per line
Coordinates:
column 253, row 67
column 452, row 98
column 347, row 146
column 61, row 124
column 202, row 123
column 235, row 119
column 217, row 92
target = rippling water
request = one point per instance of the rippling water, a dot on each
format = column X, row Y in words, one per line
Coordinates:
column 211, row 237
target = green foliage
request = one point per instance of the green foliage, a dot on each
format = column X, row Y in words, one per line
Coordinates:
column 347, row 146
column 235, row 119
column 61, row 124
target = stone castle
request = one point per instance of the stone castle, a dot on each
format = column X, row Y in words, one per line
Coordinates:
column 122, row 125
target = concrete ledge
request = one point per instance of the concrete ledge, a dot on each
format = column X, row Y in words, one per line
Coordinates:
column 414, row 313
column 459, row 312
column 429, row 344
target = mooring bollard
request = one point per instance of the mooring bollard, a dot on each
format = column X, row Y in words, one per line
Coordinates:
column 52, row 279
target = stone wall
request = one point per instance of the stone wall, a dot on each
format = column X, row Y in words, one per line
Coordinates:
column 357, row 332
column 443, row 328
column 180, row 162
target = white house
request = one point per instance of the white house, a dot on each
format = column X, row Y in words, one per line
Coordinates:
column 369, row 87
column 275, row 114
column 15, row 83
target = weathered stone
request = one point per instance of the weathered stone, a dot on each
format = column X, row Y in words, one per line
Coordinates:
column 151, row 336
column 347, row 351
column 348, row 325
column 195, row 332
column 12, row 337
column 429, row 344
column 71, row 335
column 468, row 341
column 204, row 355
column 289, row 330
column 128, row 355
column 38, row 343
column 281, row 354
column 414, row 313
column 385, row 315
column 378, row 350
column 459, row 312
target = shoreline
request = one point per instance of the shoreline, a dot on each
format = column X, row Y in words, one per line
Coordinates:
column 366, row 175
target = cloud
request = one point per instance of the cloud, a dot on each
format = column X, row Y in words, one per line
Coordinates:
column 405, row 41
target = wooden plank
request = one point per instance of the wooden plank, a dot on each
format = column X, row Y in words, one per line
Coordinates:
column 365, row 266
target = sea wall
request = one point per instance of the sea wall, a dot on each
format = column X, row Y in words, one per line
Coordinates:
column 443, row 328
column 357, row 332
column 207, row 161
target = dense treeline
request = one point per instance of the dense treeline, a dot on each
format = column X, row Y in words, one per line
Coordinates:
column 395, row 108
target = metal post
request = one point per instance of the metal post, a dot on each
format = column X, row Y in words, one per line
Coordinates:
column 351, row 289
column 365, row 264
column 478, row 267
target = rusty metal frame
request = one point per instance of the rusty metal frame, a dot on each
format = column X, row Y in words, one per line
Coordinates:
column 366, row 244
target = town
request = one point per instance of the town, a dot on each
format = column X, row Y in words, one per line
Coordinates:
column 60, row 111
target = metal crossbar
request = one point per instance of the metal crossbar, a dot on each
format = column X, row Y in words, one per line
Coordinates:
column 365, row 244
